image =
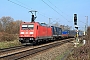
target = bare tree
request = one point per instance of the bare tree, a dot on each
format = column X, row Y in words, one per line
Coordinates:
column 0, row 26
column 65, row 27
column 9, row 29
column 5, row 21
column 8, row 25
column 56, row 24
column 16, row 26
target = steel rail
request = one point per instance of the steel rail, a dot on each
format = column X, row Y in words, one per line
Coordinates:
column 23, row 54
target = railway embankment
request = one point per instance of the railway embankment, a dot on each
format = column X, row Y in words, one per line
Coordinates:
column 8, row 44
column 40, row 50
column 82, row 52
column 8, row 40
column 52, row 53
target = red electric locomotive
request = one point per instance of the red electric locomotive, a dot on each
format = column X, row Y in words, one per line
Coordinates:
column 32, row 32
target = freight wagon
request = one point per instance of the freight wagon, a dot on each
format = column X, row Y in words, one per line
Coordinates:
column 56, row 32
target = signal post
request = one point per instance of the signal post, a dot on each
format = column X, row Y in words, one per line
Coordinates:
column 75, row 23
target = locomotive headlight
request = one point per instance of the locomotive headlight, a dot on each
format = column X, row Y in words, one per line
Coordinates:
column 22, row 32
column 31, row 38
column 21, row 38
column 31, row 32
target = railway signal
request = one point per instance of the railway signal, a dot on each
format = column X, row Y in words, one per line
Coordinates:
column 75, row 23
column 75, row 19
column 76, row 27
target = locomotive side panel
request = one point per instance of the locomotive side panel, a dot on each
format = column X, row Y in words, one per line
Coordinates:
column 42, row 32
column 49, row 32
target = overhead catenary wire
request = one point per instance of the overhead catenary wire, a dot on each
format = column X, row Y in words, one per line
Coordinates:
column 82, row 22
column 54, row 10
column 26, row 7
column 62, row 11
column 31, row 9
column 56, row 7
column 19, row 5
column 23, row 4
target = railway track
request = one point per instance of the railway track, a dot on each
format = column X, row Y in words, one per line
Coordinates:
column 32, row 50
column 11, row 48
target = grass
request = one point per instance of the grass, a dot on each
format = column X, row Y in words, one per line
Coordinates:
column 70, row 57
column 7, row 44
column 62, row 55
column 80, row 44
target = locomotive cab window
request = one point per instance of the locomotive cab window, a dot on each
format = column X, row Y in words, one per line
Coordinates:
column 24, row 26
column 27, row 26
column 31, row 26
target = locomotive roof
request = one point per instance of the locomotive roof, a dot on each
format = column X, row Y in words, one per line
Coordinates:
column 27, row 22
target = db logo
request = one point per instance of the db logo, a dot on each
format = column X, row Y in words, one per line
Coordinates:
column 26, row 32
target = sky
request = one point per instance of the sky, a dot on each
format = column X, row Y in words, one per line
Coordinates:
column 61, row 11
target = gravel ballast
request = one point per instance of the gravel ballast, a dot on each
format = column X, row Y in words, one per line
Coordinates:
column 51, row 54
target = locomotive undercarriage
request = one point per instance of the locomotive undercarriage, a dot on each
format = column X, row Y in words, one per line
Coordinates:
column 26, row 40
column 32, row 40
